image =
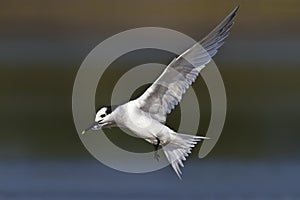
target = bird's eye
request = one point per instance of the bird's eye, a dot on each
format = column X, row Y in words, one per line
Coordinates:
column 103, row 115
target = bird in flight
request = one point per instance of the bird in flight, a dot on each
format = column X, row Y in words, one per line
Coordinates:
column 146, row 115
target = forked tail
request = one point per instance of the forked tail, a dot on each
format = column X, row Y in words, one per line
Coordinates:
column 178, row 149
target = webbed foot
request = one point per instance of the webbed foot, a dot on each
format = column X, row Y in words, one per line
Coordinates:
column 156, row 156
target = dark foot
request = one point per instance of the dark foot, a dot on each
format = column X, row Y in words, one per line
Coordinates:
column 156, row 156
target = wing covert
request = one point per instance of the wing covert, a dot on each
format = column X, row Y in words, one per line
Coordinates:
column 166, row 92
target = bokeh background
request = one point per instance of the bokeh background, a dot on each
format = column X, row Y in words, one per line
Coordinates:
column 43, row 43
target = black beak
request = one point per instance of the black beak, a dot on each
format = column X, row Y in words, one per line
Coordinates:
column 90, row 127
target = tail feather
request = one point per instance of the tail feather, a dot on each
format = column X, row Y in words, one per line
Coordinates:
column 178, row 149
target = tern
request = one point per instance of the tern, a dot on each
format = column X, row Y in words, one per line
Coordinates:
column 146, row 115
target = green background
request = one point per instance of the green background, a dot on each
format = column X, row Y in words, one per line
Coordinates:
column 43, row 43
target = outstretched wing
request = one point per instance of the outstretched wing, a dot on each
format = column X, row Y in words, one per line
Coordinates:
column 166, row 92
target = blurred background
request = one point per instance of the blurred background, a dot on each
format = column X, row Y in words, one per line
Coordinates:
column 42, row 45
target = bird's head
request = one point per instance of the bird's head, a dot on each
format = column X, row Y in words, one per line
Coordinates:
column 103, row 119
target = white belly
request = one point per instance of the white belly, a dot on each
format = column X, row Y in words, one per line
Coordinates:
column 141, row 124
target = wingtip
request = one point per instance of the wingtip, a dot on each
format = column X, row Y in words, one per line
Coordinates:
column 234, row 11
column 236, row 8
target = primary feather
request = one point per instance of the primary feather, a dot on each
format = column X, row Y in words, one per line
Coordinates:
column 166, row 92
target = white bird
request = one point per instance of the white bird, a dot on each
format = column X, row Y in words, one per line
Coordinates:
column 146, row 115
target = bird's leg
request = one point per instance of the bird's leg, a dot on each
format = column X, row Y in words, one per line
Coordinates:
column 156, row 156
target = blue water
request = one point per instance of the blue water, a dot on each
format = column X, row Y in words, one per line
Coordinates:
column 202, row 179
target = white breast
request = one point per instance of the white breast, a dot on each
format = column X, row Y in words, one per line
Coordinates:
column 140, row 122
